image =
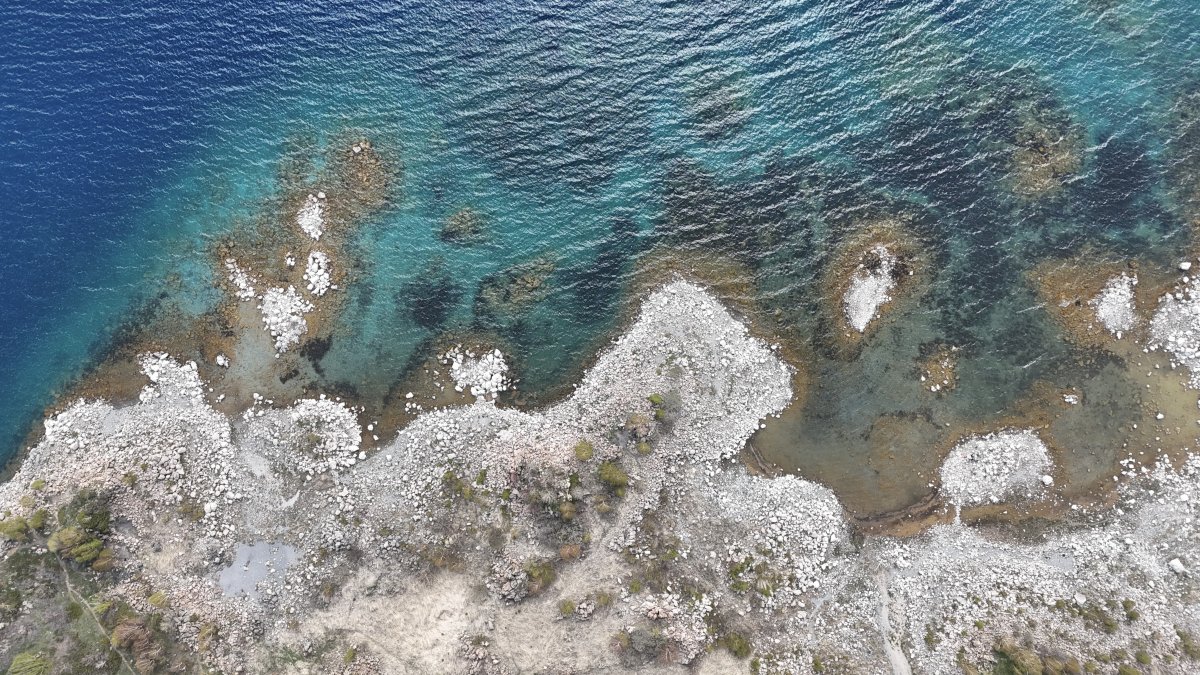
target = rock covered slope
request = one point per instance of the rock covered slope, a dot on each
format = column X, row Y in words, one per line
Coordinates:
column 612, row 531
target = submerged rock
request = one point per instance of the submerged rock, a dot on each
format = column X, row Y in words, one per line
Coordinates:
column 1047, row 150
column 510, row 293
column 464, row 226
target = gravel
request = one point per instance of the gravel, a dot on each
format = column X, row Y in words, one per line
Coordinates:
column 1175, row 327
column 311, row 217
column 869, row 289
column 995, row 467
column 1115, row 307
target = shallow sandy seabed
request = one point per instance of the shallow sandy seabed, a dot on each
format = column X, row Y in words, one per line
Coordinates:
column 611, row 531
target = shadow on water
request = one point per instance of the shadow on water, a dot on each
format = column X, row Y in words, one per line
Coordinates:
column 432, row 295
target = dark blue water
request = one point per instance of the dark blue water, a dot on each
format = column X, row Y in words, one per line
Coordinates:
column 131, row 136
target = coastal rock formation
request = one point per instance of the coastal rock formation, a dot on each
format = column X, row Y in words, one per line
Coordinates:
column 1115, row 306
column 1176, row 326
column 873, row 270
column 611, row 531
column 1008, row 465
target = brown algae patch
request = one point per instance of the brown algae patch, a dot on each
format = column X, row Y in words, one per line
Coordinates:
column 937, row 367
column 873, row 271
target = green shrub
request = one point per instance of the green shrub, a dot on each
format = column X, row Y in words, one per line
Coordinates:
column 541, row 576
column 14, row 528
column 584, row 450
column 1188, row 644
column 37, row 485
column 157, row 599
column 38, row 520
column 736, row 644
column 612, row 475
column 1130, row 608
column 655, row 399
column 644, row 448
column 29, row 663
column 566, row 608
column 1142, row 657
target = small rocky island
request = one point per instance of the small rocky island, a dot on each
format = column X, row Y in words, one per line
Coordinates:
column 616, row 530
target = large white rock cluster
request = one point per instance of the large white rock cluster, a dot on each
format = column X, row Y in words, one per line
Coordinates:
column 794, row 523
column 311, row 217
column 483, row 374
column 242, row 282
column 165, row 451
column 312, row 437
column 283, row 313
column 316, row 273
column 996, row 467
column 869, row 289
column 1115, row 307
column 1175, row 327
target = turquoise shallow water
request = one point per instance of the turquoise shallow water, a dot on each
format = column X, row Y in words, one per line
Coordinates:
column 592, row 132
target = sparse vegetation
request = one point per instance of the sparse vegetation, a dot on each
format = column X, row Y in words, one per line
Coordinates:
column 1188, row 644
column 541, row 576
column 1012, row 659
column 612, row 475
column 567, row 510
column 736, row 644
column 566, row 608
column 30, row 663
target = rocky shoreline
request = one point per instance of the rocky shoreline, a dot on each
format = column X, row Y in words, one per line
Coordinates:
column 614, row 530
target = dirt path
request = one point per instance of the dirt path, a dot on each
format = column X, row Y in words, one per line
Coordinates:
column 894, row 653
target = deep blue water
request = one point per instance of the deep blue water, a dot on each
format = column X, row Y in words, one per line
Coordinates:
column 131, row 135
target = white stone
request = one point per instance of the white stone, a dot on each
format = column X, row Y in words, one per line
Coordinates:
column 869, row 290
column 311, row 218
